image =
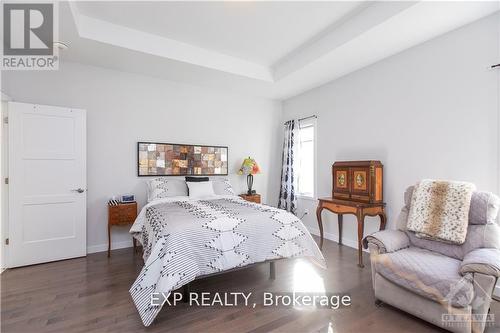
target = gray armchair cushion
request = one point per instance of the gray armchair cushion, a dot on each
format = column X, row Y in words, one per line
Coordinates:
column 388, row 240
column 484, row 208
column 478, row 236
column 402, row 219
column 484, row 261
column 408, row 194
column 428, row 274
column 482, row 232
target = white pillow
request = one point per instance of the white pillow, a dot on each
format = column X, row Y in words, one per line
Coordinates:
column 163, row 187
column 222, row 186
column 200, row 189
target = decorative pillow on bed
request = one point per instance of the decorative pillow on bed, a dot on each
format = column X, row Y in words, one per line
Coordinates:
column 222, row 186
column 163, row 187
column 196, row 179
column 200, row 189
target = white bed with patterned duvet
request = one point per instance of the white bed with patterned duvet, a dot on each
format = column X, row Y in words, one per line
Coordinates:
column 185, row 238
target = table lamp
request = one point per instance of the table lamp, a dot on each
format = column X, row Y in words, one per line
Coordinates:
column 249, row 168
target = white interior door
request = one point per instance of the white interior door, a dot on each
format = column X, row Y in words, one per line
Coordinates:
column 47, row 183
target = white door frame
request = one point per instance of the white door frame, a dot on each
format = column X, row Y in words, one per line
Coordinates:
column 497, row 288
column 4, row 192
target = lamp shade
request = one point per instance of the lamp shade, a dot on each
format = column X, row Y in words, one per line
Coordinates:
column 249, row 167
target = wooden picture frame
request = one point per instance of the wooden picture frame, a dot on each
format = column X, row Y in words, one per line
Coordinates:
column 176, row 159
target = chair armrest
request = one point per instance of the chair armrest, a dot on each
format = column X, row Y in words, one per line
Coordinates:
column 387, row 240
column 484, row 261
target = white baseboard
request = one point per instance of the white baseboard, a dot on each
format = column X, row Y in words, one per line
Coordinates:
column 114, row 246
column 335, row 238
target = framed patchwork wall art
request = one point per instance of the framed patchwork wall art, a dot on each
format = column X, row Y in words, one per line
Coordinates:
column 170, row 159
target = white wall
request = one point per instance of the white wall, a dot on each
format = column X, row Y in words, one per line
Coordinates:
column 428, row 112
column 124, row 108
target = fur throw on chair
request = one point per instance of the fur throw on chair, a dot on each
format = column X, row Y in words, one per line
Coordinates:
column 439, row 210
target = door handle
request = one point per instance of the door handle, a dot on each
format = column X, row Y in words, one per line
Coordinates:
column 79, row 190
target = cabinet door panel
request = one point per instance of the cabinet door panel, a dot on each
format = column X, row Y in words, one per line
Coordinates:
column 360, row 183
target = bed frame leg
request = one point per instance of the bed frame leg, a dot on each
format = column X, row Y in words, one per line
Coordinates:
column 272, row 270
column 185, row 292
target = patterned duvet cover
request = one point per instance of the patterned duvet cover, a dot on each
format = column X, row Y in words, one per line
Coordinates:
column 184, row 239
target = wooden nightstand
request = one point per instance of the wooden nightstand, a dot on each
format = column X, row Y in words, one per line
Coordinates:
column 251, row 197
column 121, row 214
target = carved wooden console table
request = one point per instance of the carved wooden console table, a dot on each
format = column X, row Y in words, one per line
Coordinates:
column 359, row 209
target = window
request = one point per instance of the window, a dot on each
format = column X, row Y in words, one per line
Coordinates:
column 306, row 160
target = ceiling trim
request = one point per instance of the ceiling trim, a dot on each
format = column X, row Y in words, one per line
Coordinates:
column 117, row 35
column 338, row 34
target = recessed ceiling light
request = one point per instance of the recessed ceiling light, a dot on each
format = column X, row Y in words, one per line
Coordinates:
column 61, row 45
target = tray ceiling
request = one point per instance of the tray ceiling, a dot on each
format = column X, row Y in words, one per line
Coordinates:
column 267, row 49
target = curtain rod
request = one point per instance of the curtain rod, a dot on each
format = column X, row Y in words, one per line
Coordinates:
column 313, row 116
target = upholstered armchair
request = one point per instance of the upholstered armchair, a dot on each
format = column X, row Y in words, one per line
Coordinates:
column 448, row 285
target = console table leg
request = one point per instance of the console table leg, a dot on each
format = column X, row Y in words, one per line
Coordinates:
column 320, row 226
column 361, row 227
column 340, row 219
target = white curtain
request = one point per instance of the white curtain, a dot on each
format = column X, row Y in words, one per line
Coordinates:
column 288, row 197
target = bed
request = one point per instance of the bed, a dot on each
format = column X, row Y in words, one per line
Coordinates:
column 184, row 239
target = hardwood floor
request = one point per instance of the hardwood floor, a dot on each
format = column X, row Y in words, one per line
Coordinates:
column 91, row 295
